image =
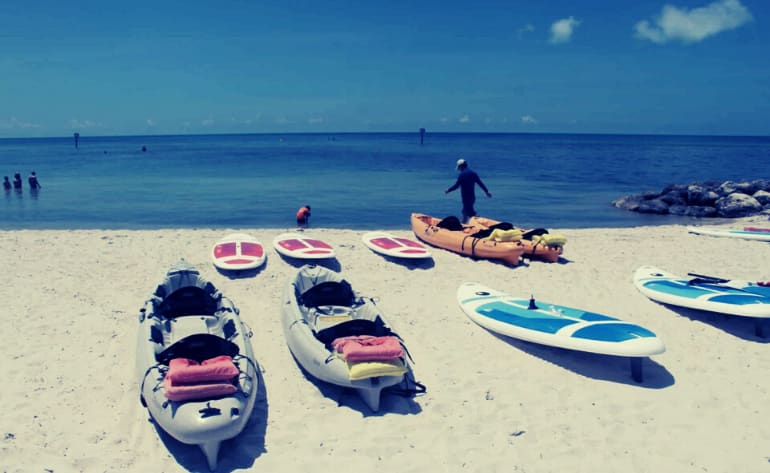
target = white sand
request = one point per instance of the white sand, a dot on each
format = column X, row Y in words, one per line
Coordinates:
column 70, row 397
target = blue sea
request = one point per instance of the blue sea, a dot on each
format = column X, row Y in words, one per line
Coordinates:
column 355, row 180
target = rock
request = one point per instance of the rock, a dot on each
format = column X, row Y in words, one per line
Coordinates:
column 737, row 205
column 703, row 199
column 675, row 197
column 763, row 197
column 629, row 202
column 654, row 206
column 699, row 195
column 701, row 211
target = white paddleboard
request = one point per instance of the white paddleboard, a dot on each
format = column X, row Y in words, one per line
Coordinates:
column 397, row 247
column 555, row 325
column 746, row 233
column 294, row 245
column 238, row 251
column 733, row 297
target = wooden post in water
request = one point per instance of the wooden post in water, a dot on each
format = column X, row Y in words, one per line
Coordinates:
column 422, row 136
column 77, row 139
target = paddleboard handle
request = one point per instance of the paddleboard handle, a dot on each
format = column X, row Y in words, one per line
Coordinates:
column 532, row 305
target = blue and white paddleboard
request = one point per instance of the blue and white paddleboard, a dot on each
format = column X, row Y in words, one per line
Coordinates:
column 747, row 233
column 733, row 297
column 555, row 325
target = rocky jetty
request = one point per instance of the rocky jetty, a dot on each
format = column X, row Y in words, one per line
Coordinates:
column 706, row 199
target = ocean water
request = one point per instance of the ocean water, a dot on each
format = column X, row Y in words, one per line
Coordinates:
column 356, row 180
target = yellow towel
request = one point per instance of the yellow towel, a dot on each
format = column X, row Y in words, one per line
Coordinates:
column 505, row 235
column 372, row 369
column 550, row 239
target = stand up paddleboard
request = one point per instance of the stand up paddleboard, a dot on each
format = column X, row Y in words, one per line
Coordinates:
column 558, row 326
column 725, row 296
column 747, row 233
column 396, row 247
column 238, row 251
column 294, row 245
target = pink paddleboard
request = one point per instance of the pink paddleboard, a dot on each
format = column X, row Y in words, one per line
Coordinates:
column 299, row 246
column 389, row 245
column 238, row 251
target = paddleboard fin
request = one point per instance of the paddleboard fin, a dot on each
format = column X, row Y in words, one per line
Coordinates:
column 532, row 305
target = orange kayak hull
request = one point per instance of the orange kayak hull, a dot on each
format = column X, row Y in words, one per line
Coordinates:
column 532, row 250
column 426, row 229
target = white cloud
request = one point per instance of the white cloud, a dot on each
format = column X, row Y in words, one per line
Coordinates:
column 561, row 30
column 315, row 120
column 15, row 124
column 528, row 28
column 77, row 124
column 150, row 122
column 207, row 122
column 464, row 119
column 444, row 120
column 528, row 120
column 694, row 25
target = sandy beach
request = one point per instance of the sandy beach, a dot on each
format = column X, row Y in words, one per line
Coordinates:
column 493, row 404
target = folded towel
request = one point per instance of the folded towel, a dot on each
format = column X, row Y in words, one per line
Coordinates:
column 551, row 239
column 368, row 348
column 189, row 392
column 505, row 235
column 186, row 371
column 372, row 369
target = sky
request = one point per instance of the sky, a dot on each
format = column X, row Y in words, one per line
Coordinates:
column 103, row 68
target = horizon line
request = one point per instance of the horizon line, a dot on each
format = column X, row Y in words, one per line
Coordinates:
column 417, row 132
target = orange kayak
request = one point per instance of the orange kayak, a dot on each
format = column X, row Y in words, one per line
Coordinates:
column 540, row 247
column 426, row 229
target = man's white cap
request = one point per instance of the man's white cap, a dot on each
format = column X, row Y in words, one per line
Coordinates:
column 460, row 162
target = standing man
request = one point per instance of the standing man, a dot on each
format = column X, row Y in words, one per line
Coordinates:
column 467, row 181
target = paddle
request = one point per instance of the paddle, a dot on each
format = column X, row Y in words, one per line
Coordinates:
column 703, row 279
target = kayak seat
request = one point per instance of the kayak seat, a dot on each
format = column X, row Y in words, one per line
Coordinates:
column 190, row 300
column 198, row 347
column 338, row 293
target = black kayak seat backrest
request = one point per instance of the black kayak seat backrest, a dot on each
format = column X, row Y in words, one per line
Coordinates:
column 533, row 233
column 198, row 347
column 488, row 231
column 189, row 300
column 451, row 223
column 329, row 293
column 354, row 327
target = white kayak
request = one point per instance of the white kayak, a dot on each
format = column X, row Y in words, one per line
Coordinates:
column 320, row 308
column 197, row 372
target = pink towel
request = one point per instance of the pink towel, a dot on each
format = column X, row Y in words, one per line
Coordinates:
column 185, row 371
column 187, row 379
column 368, row 348
column 189, row 392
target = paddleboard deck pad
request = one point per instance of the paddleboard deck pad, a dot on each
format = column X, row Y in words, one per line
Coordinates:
column 299, row 246
column 238, row 251
column 389, row 245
